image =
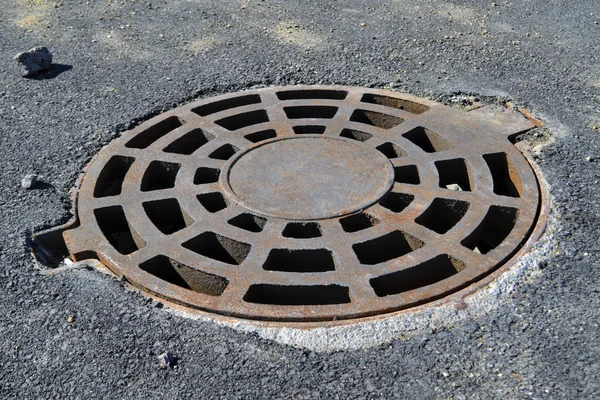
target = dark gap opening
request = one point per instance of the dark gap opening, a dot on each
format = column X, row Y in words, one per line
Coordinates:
column 358, row 222
column 189, row 143
column 495, row 227
column 427, row 273
column 110, row 180
column 297, row 295
column 396, row 202
column 155, row 132
column 166, row 215
column 224, row 152
column 226, row 104
column 298, row 112
column 427, row 140
column 507, row 181
column 313, row 260
column 309, row 129
column 205, row 175
column 262, row 135
column 302, row 230
column 454, row 172
column 183, row 276
column 116, row 229
column 159, row 175
column 219, row 248
column 443, row 214
column 373, row 118
column 243, row 120
column 407, row 174
column 248, row 222
column 387, row 247
column 312, row 94
column 213, row 202
column 390, row 150
column 394, row 102
column 356, row 135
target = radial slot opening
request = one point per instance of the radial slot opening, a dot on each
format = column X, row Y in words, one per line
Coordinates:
column 427, row 140
column 396, row 202
column 243, row 120
column 302, row 230
column 213, row 202
column 379, row 120
column 387, row 247
column 507, row 181
column 312, row 260
column 110, row 180
column 183, row 276
column 407, row 174
column 427, row 273
column 206, row 175
column 150, row 135
column 227, row 104
column 220, row 248
column 159, row 175
column 312, row 94
column 390, row 150
column 443, row 214
column 297, row 295
column 309, row 129
column 454, row 173
column 224, row 152
column 114, row 226
column 356, row 135
column 262, row 135
column 358, row 222
column 394, row 102
column 166, row 215
column 318, row 112
column 493, row 229
column 189, row 143
column 248, row 222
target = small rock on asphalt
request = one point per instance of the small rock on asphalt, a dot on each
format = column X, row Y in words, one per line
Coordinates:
column 34, row 61
column 28, row 182
column 167, row 359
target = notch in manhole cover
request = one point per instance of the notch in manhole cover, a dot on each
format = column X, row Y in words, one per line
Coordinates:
column 308, row 203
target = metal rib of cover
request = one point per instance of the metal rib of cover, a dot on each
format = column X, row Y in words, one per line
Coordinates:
column 308, row 203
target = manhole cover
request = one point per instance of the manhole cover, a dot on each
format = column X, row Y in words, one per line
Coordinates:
column 308, row 203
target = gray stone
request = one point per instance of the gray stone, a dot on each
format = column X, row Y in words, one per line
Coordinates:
column 34, row 61
column 167, row 359
column 28, row 182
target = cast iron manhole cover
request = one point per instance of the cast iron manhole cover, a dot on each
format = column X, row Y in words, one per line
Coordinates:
column 308, row 203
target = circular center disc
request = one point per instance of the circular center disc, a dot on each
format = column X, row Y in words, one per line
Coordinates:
column 310, row 177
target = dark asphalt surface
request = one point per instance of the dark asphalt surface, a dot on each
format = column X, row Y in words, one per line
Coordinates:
column 121, row 61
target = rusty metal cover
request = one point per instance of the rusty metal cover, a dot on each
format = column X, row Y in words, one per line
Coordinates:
column 308, row 203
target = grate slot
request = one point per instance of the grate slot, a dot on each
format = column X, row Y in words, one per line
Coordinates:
column 183, row 276
column 358, row 222
column 159, row 175
column 407, row 174
column 224, row 152
column 212, row 202
column 493, row 229
column 166, row 215
column 507, row 181
column 387, row 247
column 189, row 143
column 243, row 120
column 454, row 172
column 443, row 214
column 390, row 150
column 309, row 129
column 297, row 295
column 312, row 260
column 227, row 104
column 114, row 226
column 318, row 112
column 394, row 102
column 205, row 175
column 110, row 180
column 427, row 140
column 356, row 135
column 312, row 94
column 396, row 202
column 302, row 230
column 220, row 248
column 262, row 135
column 379, row 120
column 145, row 138
column 427, row 273
column 248, row 222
